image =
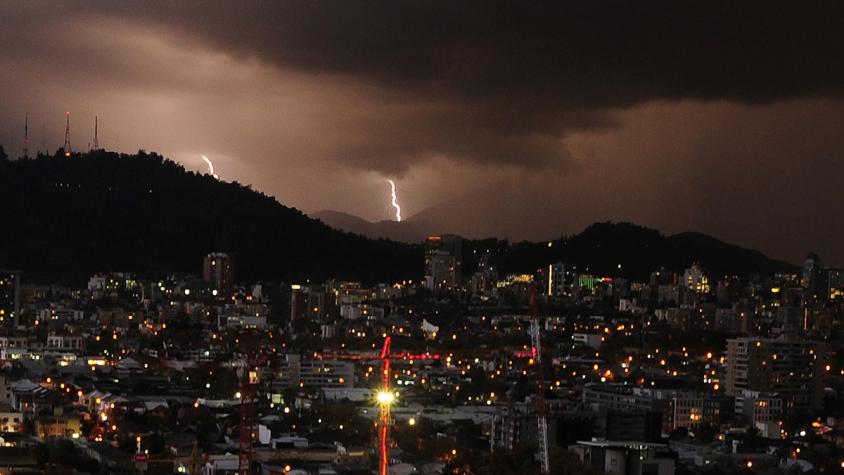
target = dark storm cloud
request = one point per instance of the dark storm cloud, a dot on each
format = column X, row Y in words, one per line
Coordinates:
column 505, row 82
column 589, row 54
column 722, row 117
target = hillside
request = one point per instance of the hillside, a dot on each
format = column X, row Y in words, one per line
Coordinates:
column 602, row 247
column 67, row 218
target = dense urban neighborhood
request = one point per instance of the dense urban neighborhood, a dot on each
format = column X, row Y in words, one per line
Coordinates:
column 464, row 371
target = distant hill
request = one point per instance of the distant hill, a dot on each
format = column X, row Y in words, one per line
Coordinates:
column 405, row 231
column 446, row 217
column 67, row 218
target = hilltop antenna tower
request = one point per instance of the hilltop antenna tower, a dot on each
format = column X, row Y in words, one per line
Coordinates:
column 96, row 143
column 67, row 135
column 26, row 136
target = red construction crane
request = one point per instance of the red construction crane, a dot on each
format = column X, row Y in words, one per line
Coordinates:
column 248, row 391
column 385, row 396
column 541, row 408
column 385, row 400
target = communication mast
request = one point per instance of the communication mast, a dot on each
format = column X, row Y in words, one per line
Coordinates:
column 541, row 408
column 26, row 136
column 67, row 135
column 96, row 142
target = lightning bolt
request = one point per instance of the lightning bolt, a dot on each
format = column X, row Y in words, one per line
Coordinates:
column 210, row 167
column 394, row 200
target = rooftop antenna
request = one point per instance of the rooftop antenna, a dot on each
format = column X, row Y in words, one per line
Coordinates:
column 26, row 136
column 96, row 143
column 67, row 135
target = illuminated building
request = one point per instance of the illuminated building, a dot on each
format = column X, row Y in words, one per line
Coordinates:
column 246, row 321
column 835, row 282
column 60, row 424
column 313, row 302
column 297, row 371
column 690, row 410
column 443, row 255
column 483, row 281
column 677, row 408
column 811, row 272
column 695, row 279
column 218, row 271
column 11, row 422
column 592, row 340
column 558, row 279
column 10, row 295
column 787, row 365
column 65, row 343
column 759, row 407
column 60, row 314
column 587, row 282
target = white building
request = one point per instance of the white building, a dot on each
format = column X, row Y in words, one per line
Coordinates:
column 626, row 457
column 65, row 343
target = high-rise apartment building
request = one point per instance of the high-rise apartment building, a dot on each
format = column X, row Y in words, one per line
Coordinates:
column 10, row 295
column 835, row 284
column 696, row 280
column 312, row 302
column 443, row 256
column 218, row 271
column 787, row 365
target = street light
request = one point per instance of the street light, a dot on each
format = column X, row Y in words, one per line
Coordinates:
column 385, row 397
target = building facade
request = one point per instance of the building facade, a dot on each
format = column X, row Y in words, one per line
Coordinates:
column 443, row 256
column 787, row 365
column 218, row 271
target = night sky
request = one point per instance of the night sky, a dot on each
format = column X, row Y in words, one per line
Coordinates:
column 519, row 119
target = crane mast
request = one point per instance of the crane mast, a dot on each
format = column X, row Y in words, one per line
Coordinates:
column 384, row 421
column 541, row 408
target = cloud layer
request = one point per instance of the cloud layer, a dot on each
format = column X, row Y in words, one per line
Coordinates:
column 676, row 109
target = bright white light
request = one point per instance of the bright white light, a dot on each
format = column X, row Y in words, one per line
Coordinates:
column 394, row 200
column 210, row 167
column 385, row 397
